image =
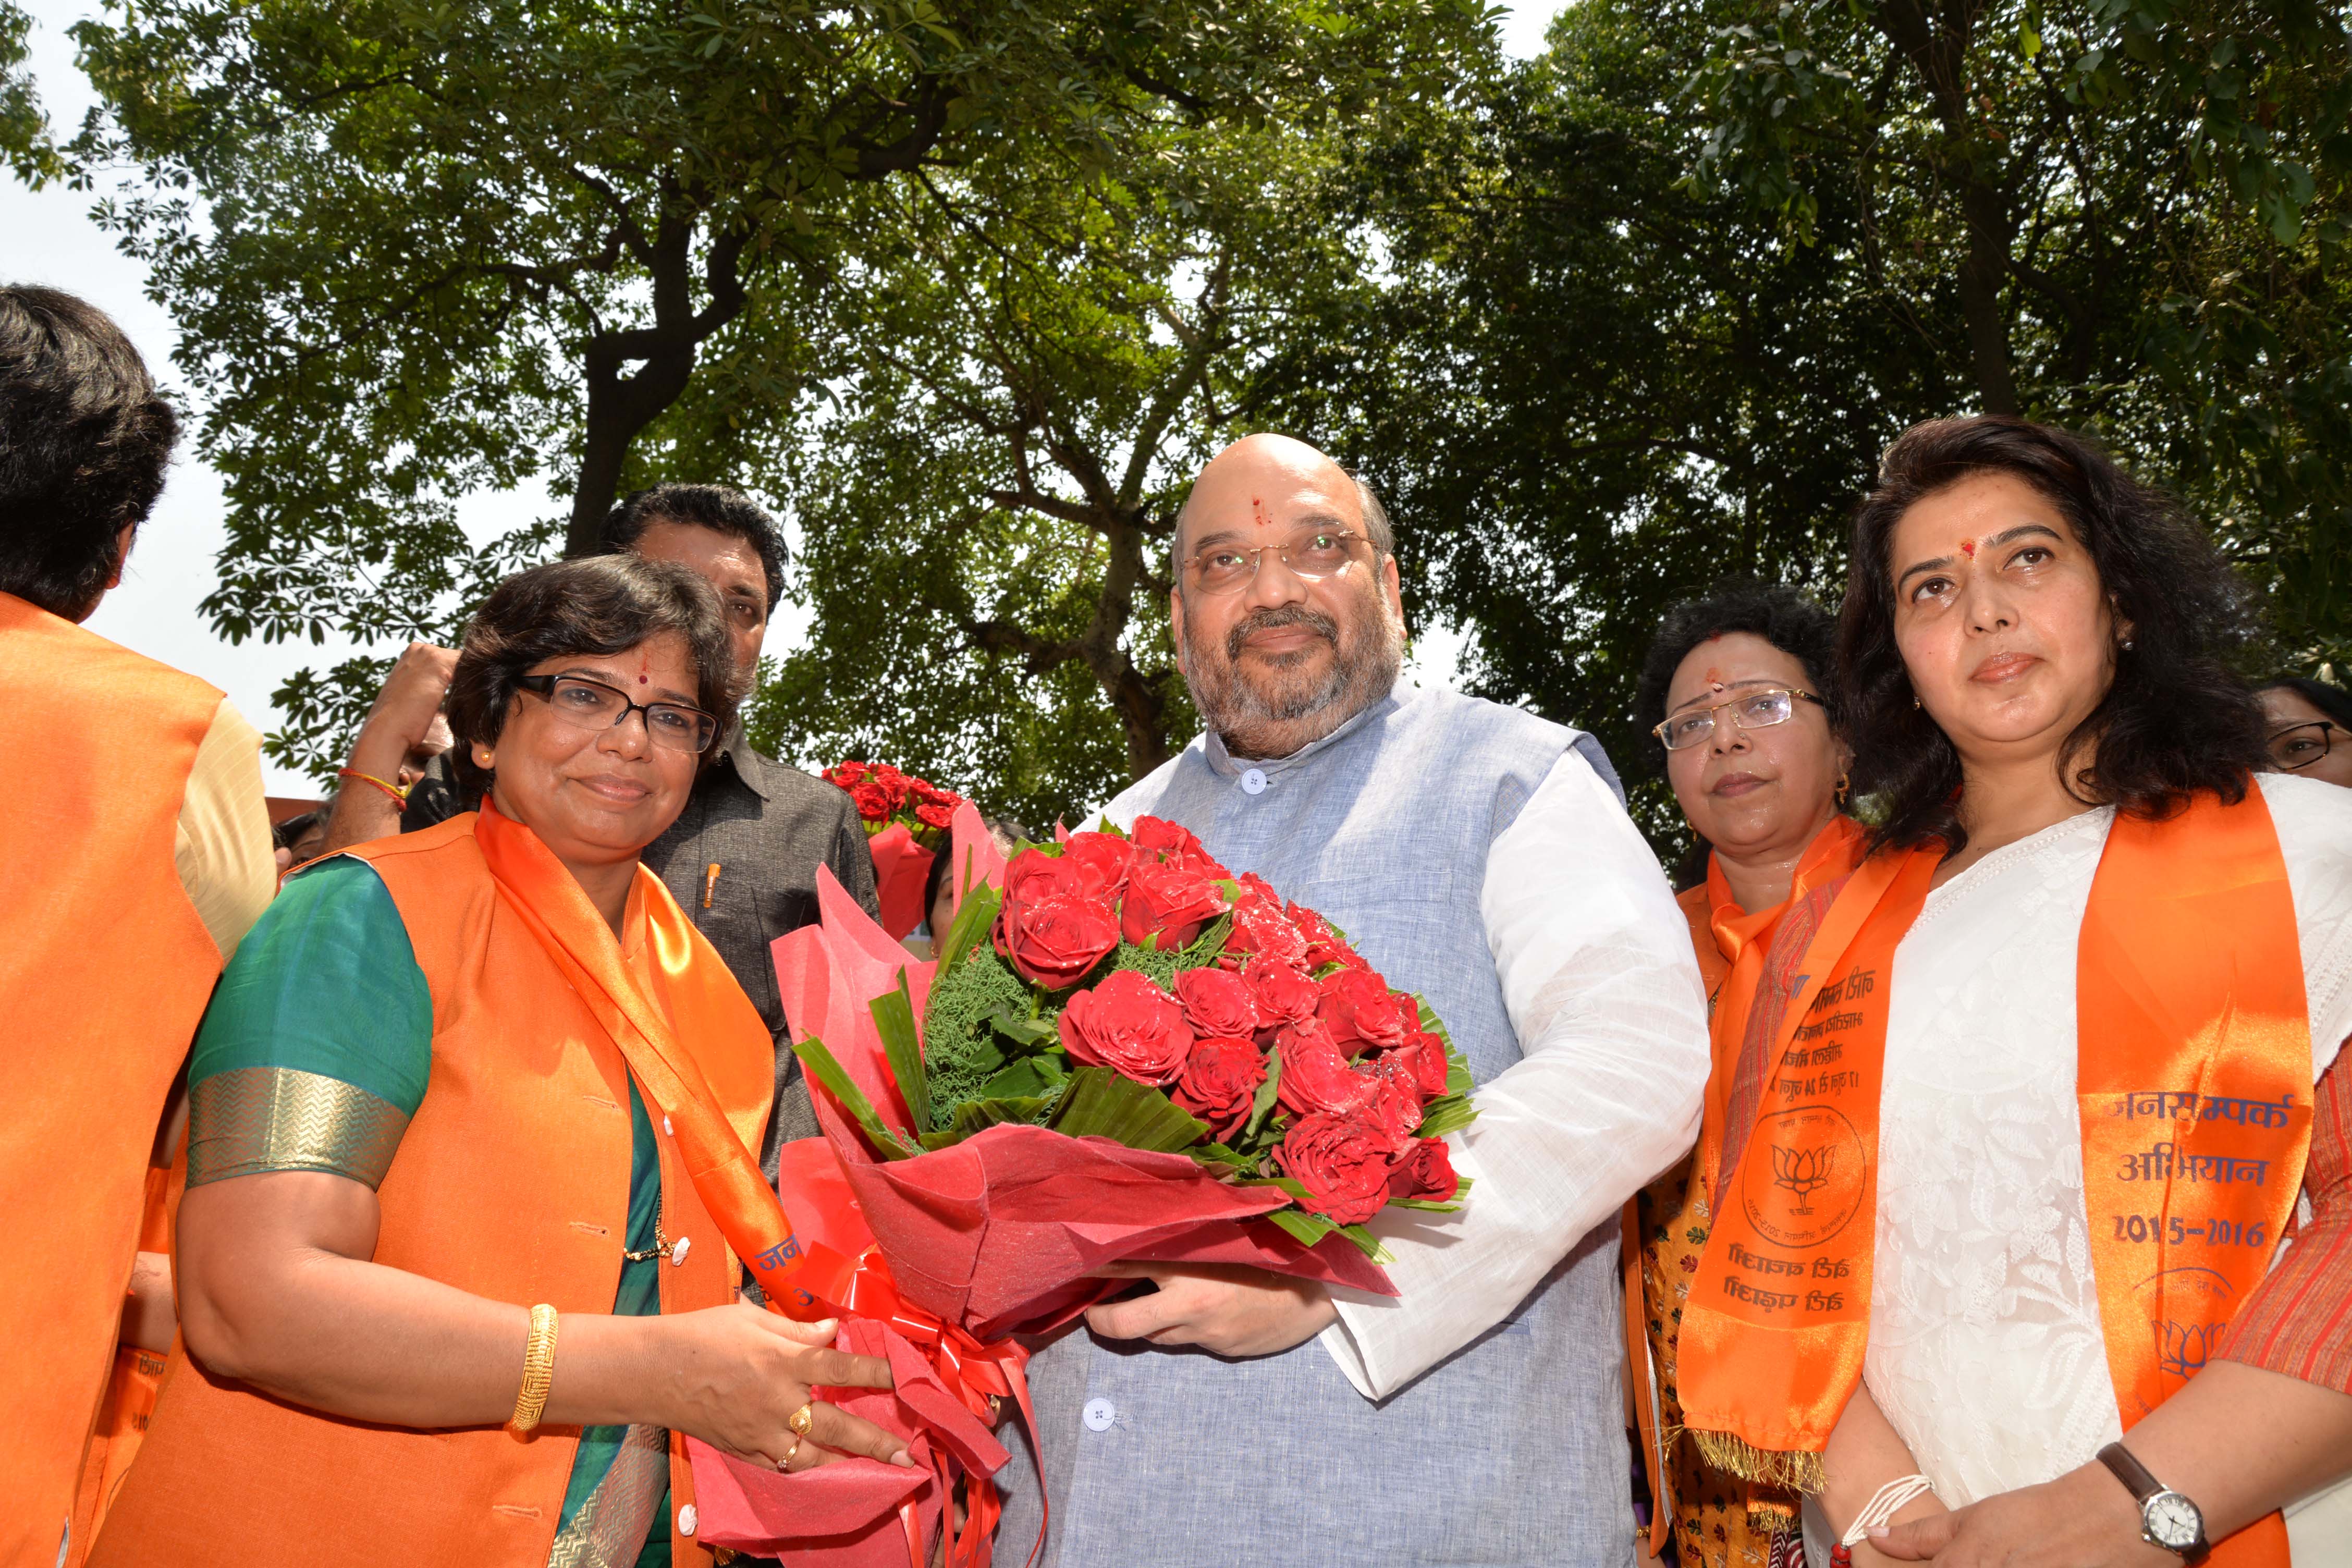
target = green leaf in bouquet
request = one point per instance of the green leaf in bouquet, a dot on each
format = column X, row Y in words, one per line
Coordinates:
column 1223, row 1154
column 1451, row 1113
column 1102, row 1104
column 979, row 1115
column 974, row 917
column 1029, row 1075
column 1290, row 1184
column 1037, row 1034
column 1305, row 1229
column 821, row 1067
column 961, row 1045
column 1458, row 1080
column 1262, row 1105
column 1209, row 945
column 1368, row 1243
column 894, row 1018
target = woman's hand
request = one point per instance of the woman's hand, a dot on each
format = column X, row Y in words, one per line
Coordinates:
column 733, row 1376
column 2084, row 1519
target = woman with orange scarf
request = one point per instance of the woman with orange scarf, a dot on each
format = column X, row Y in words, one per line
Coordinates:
column 2059, row 1071
column 1736, row 687
column 469, row 1128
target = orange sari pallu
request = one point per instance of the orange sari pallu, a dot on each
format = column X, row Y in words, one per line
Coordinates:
column 2193, row 1067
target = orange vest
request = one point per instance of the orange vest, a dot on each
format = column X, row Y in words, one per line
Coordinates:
column 105, row 968
column 511, row 1183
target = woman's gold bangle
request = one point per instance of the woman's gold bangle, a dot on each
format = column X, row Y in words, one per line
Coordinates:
column 537, row 1369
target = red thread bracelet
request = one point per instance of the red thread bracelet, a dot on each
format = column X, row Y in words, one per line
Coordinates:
column 399, row 795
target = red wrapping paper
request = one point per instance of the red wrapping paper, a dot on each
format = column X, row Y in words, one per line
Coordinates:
column 901, row 868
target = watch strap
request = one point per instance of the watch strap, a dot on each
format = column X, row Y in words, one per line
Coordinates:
column 2135, row 1476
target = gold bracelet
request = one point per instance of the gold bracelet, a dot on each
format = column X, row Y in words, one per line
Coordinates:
column 537, row 1369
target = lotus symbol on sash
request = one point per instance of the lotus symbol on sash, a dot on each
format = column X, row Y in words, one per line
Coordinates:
column 1803, row 1172
column 2182, row 1349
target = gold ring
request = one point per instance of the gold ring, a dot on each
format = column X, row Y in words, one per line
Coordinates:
column 786, row 1462
column 801, row 1420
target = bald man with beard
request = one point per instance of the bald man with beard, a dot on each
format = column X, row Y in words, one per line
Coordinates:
column 1481, row 856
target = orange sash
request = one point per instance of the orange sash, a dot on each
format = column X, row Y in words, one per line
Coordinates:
column 2190, row 1015
column 554, row 909
column 1743, row 939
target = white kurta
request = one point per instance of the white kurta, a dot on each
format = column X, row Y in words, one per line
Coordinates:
column 1985, row 1346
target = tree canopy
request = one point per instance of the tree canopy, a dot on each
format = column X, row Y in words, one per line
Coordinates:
column 970, row 294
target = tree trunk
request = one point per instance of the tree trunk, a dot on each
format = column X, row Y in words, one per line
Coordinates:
column 1981, row 281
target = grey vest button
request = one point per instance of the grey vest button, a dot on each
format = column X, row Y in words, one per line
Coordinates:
column 1099, row 1414
column 1254, row 781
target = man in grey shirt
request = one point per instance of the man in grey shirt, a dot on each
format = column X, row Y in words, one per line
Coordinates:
column 741, row 859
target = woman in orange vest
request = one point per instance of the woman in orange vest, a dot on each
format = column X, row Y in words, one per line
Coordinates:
column 468, row 1127
column 1736, row 688
column 2059, row 1061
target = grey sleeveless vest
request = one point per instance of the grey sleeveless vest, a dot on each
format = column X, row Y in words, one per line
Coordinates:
column 1509, row 1454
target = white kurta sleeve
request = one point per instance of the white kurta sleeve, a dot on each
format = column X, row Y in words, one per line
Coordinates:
column 1603, row 993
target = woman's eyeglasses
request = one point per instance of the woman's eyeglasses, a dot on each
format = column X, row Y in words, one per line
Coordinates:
column 586, row 704
column 1755, row 710
column 2300, row 746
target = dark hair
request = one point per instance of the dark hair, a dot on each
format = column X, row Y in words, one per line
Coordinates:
column 84, row 440
column 714, row 507
column 600, row 605
column 289, row 833
column 2331, row 700
column 2174, row 722
column 1789, row 619
column 998, row 826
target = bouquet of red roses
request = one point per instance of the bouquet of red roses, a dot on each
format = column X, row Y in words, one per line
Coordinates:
column 906, row 821
column 1124, row 1052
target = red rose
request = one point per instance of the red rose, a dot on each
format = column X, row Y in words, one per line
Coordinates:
column 1341, row 1162
column 1166, row 906
column 1324, row 945
column 1427, row 1172
column 1221, row 1079
column 1048, row 928
column 1158, row 836
column 1217, row 1001
column 1130, row 1025
column 873, row 802
column 1281, row 992
column 933, row 815
column 1102, row 860
column 1355, row 1006
column 1316, row 1078
column 1261, row 927
column 1394, row 1106
column 843, row 775
column 1424, row 1054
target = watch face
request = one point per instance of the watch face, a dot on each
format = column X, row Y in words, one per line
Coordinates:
column 2172, row 1520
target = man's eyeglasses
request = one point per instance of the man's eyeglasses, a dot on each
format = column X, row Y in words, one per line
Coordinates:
column 586, row 704
column 1754, row 711
column 1311, row 556
column 2300, row 746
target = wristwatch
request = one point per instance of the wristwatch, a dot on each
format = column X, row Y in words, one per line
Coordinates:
column 2166, row 1518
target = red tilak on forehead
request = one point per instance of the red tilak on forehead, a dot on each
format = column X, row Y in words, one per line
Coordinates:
column 1968, row 548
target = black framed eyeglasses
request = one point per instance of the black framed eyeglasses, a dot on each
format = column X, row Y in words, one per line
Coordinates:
column 2300, row 746
column 1751, row 711
column 586, row 704
column 1310, row 555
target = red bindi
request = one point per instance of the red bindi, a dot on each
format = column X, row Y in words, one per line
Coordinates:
column 641, row 681
column 1968, row 548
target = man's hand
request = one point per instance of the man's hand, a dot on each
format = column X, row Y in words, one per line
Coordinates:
column 1225, row 1307
column 2084, row 1519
